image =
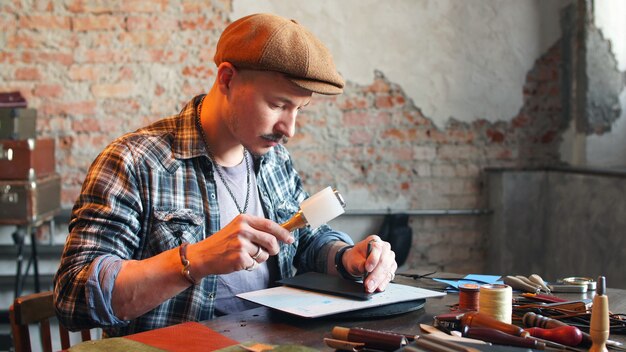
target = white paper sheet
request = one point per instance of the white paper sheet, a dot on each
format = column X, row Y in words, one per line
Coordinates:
column 311, row 304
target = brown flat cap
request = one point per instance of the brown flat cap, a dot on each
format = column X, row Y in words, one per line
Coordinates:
column 274, row 43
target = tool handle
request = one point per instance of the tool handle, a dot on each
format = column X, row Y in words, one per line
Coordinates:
column 565, row 335
column 297, row 221
column 531, row 319
column 501, row 338
column 538, row 280
column 426, row 345
column 527, row 281
column 544, row 298
column 481, row 320
column 599, row 326
column 518, row 284
column 373, row 339
column 439, row 342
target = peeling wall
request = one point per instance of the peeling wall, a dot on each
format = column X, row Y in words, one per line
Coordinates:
column 465, row 60
column 609, row 149
column 458, row 59
column 604, row 83
column 609, row 18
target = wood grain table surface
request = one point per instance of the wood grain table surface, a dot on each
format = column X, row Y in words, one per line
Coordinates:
column 273, row 327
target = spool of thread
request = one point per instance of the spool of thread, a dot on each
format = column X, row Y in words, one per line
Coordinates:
column 496, row 301
column 468, row 297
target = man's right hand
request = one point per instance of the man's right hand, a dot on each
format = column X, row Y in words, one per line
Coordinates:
column 242, row 244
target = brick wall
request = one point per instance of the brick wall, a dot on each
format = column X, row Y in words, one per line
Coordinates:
column 373, row 138
column 97, row 69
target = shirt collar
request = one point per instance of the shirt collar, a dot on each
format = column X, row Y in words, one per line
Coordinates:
column 188, row 141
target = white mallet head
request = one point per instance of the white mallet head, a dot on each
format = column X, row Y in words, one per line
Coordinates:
column 316, row 210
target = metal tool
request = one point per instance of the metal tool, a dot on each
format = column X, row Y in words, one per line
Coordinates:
column 578, row 280
column 568, row 288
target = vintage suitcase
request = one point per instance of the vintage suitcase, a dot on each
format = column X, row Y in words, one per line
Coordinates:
column 26, row 159
column 12, row 100
column 30, row 202
column 17, row 123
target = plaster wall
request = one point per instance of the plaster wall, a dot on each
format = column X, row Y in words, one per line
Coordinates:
column 557, row 222
column 609, row 19
column 609, row 149
column 462, row 59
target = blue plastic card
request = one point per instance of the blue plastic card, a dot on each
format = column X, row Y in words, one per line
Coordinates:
column 471, row 278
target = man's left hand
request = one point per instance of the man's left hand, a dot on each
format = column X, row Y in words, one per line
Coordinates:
column 380, row 264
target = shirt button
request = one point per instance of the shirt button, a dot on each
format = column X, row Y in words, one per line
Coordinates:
column 211, row 295
column 212, row 195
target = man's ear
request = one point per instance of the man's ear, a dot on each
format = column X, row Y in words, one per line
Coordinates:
column 225, row 73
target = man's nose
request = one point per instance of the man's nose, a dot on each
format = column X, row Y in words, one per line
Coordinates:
column 287, row 124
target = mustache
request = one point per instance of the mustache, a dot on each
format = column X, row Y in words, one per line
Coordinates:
column 276, row 137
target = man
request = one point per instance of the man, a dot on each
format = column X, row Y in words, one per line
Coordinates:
column 176, row 218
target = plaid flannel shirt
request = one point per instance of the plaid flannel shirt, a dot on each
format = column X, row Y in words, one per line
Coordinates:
column 147, row 192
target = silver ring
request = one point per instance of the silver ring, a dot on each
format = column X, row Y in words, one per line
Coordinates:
column 257, row 254
column 253, row 266
column 391, row 275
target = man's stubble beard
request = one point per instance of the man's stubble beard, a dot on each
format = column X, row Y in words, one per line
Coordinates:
column 232, row 121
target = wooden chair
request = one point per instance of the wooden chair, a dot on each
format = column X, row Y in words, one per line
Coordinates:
column 32, row 309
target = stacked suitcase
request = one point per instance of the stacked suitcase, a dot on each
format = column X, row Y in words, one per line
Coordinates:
column 30, row 189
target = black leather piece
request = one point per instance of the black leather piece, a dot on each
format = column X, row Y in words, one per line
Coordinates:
column 328, row 284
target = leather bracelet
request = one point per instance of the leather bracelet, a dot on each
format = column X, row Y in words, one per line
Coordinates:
column 182, row 250
column 339, row 264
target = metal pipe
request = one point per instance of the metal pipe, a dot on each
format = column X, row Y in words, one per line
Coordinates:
column 418, row 212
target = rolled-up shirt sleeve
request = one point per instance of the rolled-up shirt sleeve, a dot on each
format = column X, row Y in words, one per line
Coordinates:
column 103, row 232
column 314, row 248
column 320, row 246
column 99, row 290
